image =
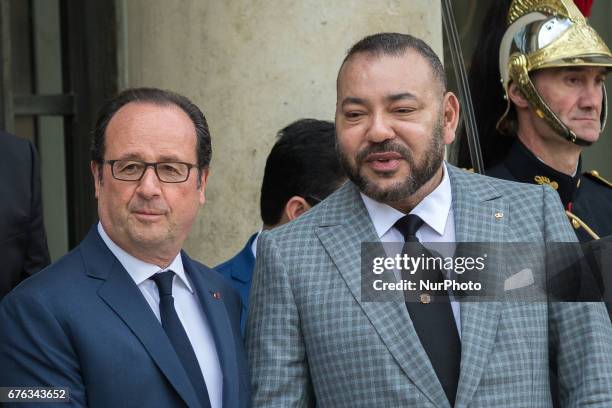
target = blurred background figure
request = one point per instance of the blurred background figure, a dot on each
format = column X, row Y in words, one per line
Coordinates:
column 302, row 169
column 23, row 243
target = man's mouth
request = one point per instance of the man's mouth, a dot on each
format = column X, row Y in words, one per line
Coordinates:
column 147, row 214
column 383, row 162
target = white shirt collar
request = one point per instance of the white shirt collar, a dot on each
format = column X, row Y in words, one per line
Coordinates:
column 254, row 244
column 139, row 270
column 433, row 209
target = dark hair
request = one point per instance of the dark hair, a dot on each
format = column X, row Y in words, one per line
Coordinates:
column 487, row 90
column 157, row 97
column 396, row 44
column 303, row 162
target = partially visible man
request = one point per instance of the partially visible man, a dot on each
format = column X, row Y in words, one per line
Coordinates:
column 553, row 66
column 312, row 336
column 127, row 318
column 302, row 169
column 23, row 242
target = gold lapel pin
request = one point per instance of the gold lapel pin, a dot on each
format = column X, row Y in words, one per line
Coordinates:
column 499, row 215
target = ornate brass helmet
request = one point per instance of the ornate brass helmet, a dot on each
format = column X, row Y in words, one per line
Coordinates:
column 547, row 34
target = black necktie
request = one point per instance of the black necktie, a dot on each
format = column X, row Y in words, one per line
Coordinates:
column 177, row 335
column 433, row 322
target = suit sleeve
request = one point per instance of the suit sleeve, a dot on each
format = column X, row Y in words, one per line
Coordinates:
column 37, row 253
column 580, row 332
column 35, row 350
column 275, row 346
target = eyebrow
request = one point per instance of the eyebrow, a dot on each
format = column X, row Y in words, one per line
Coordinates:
column 601, row 71
column 389, row 98
column 400, row 96
column 352, row 100
column 137, row 157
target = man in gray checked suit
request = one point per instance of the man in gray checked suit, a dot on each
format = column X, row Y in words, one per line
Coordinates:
column 312, row 338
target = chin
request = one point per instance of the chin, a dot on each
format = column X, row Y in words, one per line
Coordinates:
column 589, row 136
column 149, row 235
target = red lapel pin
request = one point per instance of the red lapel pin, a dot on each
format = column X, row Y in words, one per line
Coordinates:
column 216, row 295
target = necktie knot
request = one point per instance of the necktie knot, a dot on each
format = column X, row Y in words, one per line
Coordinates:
column 408, row 225
column 163, row 280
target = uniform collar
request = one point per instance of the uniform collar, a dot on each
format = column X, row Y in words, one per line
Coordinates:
column 527, row 168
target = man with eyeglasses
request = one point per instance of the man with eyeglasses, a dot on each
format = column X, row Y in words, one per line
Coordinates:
column 127, row 318
column 302, row 169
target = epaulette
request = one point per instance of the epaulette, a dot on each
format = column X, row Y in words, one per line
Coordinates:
column 594, row 175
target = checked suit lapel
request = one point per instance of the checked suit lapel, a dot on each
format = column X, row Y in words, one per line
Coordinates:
column 475, row 206
column 342, row 233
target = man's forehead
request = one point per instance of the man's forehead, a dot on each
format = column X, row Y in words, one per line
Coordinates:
column 578, row 69
column 368, row 63
column 368, row 58
column 137, row 109
column 141, row 128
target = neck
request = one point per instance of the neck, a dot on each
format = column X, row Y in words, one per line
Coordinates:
column 158, row 253
column 406, row 205
column 559, row 154
column 159, row 259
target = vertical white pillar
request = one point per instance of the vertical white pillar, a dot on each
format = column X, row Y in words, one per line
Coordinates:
column 253, row 67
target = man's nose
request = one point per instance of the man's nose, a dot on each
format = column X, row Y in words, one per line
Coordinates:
column 379, row 129
column 149, row 185
column 592, row 96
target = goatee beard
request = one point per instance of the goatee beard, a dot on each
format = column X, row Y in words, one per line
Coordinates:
column 403, row 189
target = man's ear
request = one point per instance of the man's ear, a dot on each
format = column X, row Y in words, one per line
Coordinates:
column 96, row 171
column 517, row 97
column 451, row 108
column 295, row 207
column 202, row 182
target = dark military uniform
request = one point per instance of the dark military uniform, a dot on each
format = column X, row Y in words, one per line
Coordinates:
column 586, row 195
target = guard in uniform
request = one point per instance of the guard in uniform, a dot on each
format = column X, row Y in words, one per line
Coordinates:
column 552, row 66
column 587, row 197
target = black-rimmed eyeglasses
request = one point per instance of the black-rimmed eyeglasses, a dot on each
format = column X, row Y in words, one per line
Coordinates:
column 133, row 170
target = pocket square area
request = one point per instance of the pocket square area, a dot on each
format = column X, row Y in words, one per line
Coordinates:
column 519, row 280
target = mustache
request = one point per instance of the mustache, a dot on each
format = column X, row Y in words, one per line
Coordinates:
column 150, row 207
column 384, row 147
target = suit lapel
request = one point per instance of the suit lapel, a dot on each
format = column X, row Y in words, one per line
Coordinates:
column 122, row 295
column 242, row 271
column 480, row 215
column 346, row 227
column 211, row 299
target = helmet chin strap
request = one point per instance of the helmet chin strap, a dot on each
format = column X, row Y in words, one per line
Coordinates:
column 561, row 128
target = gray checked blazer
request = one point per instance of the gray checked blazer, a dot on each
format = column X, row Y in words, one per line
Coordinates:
column 312, row 340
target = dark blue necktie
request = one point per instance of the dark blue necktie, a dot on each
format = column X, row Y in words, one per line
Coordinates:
column 178, row 337
column 433, row 322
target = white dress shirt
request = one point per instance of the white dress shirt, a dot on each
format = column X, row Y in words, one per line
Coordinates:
column 254, row 244
column 435, row 210
column 187, row 307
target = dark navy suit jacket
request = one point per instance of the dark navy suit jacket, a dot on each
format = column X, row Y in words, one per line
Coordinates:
column 83, row 324
column 23, row 244
column 239, row 270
